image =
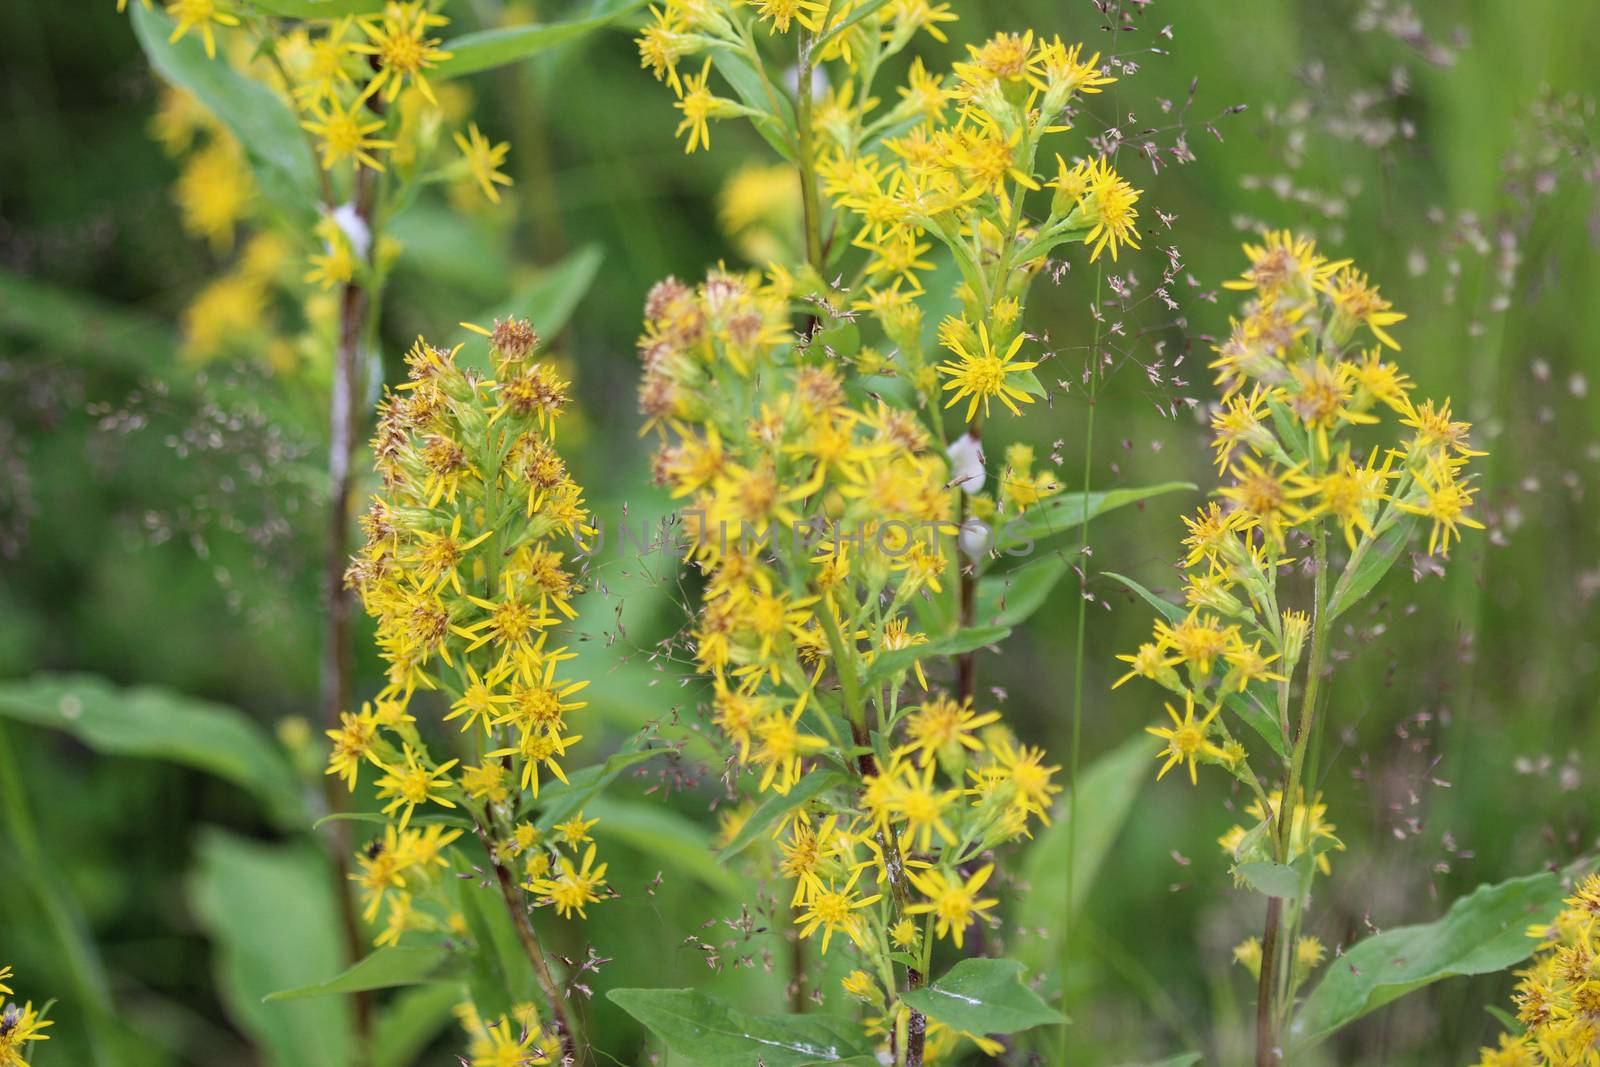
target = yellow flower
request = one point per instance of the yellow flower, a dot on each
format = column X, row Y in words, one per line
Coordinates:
column 344, row 135
column 575, row 831
column 699, row 104
column 412, row 784
column 500, row 1046
column 1445, row 500
column 203, row 15
column 352, row 744
column 574, row 887
column 1186, row 739
column 484, row 160
column 1108, row 204
column 782, row 13
column 1355, row 301
column 402, row 49
column 19, row 1027
column 940, row 723
column 982, row 374
column 214, row 191
column 835, row 910
column 952, row 902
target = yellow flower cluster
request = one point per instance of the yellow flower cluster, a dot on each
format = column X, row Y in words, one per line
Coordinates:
column 950, row 163
column 466, row 571
column 360, row 88
column 1558, row 998
column 20, row 1026
column 819, row 515
column 1299, row 390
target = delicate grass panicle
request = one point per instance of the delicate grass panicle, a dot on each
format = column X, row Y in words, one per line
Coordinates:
column 1331, row 463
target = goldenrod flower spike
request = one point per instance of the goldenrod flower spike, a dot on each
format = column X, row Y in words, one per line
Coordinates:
column 1306, row 393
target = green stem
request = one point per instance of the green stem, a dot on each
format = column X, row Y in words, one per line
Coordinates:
column 811, row 202
column 1078, row 663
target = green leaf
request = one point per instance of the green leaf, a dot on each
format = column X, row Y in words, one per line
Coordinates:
column 1254, row 714
column 550, row 299
column 1106, row 791
column 1484, row 931
column 888, row 664
column 557, row 801
column 984, row 996
column 409, row 1023
column 1367, row 567
column 1008, row 599
column 777, row 129
column 377, row 818
column 318, row 9
column 392, row 965
column 488, row 49
column 713, row 1033
column 775, row 807
column 271, row 913
column 1167, row 609
column 1271, row 879
column 1067, row 511
column 270, row 134
column 1183, row 1059
column 499, row 972
column 654, row 830
column 159, row 724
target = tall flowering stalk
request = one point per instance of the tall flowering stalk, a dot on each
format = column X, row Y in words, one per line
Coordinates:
column 1333, row 469
column 839, row 512
column 466, row 569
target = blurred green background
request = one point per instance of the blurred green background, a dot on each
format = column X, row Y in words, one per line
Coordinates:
column 160, row 520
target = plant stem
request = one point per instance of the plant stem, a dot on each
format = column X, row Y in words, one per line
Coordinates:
column 1078, row 661
column 810, row 202
column 343, row 420
column 530, row 944
column 1267, row 1020
column 888, row 840
column 1266, row 1029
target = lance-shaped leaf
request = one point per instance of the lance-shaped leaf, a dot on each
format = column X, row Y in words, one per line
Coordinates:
column 319, row 9
column 888, row 664
column 390, row 966
column 712, row 1033
column 775, row 807
column 984, row 996
column 487, row 49
column 1371, row 561
column 159, row 724
column 1008, row 599
column 265, row 127
column 1484, row 931
column 1106, row 791
column 1068, row 511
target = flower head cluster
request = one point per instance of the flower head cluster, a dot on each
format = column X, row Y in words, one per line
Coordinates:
column 821, row 517
column 467, row 571
column 1300, row 435
column 20, row 1026
column 943, row 169
column 360, row 88
column 1558, row 997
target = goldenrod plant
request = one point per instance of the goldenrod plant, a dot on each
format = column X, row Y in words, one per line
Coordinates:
column 1334, row 468
column 468, row 570
column 820, row 422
